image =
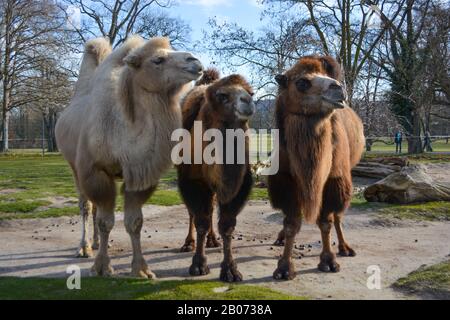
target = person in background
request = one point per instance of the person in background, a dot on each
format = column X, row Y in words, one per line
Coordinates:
column 398, row 139
column 427, row 142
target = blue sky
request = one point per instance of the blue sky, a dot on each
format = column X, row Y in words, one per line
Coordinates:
column 197, row 13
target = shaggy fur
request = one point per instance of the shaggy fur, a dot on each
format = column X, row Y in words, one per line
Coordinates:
column 320, row 143
column 216, row 105
column 196, row 98
column 120, row 125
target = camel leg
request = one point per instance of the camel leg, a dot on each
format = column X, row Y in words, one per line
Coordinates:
column 84, row 250
column 101, row 190
column 189, row 243
column 227, row 222
column 102, row 265
column 284, row 195
column 133, row 224
column 211, row 238
column 200, row 204
column 199, row 264
column 337, row 196
column 280, row 239
column 327, row 257
column 286, row 269
column 344, row 249
column 95, row 238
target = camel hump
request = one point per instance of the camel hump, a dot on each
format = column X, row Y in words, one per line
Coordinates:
column 210, row 75
column 97, row 50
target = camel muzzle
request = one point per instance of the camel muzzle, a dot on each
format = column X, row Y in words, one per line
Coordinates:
column 336, row 96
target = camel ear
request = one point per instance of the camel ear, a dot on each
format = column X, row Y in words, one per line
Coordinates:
column 328, row 66
column 281, row 79
column 133, row 60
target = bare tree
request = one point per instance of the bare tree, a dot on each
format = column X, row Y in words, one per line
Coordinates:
column 265, row 53
column 405, row 55
column 25, row 29
column 117, row 19
column 347, row 29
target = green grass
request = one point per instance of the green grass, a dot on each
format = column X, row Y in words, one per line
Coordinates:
column 131, row 289
column 48, row 213
column 259, row 194
column 433, row 280
column 438, row 146
column 35, row 178
column 22, row 206
column 165, row 198
column 429, row 211
column 413, row 158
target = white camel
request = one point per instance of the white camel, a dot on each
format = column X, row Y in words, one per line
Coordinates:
column 119, row 125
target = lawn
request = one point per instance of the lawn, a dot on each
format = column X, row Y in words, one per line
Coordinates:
column 33, row 180
column 429, row 211
column 132, row 289
column 28, row 181
column 434, row 280
column 438, row 146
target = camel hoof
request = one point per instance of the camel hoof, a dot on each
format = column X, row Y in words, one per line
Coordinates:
column 95, row 245
column 328, row 263
column 212, row 242
column 230, row 273
column 84, row 252
column 102, row 267
column 346, row 251
column 199, row 266
column 139, row 269
column 279, row 243
column 285, row 271
column 188, row 247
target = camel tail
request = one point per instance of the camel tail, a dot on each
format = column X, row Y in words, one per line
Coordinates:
column 95, row 51
column 209, row 76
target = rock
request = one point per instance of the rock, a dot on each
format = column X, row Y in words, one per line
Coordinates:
column 412, row 184
column 379, row 167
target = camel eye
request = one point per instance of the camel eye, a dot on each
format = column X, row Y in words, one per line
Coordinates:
column 303, row 85
column 222, row 97
column 158, row 60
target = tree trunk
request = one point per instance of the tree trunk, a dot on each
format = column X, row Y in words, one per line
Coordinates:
column 415, row 142
column 7, row 16
column 5, row 132
column 50, row 126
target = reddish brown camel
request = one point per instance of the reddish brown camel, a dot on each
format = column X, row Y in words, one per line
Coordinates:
column 321, row 139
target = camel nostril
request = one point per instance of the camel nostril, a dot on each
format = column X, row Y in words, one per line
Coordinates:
column 245, row 100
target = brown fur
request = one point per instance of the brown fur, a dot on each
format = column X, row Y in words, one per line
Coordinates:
column 319, row 146
column 230, row 184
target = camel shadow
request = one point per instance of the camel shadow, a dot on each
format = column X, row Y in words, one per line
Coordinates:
column 269, row 278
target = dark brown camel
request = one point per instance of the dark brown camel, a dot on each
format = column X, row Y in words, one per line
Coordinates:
column 225, row 104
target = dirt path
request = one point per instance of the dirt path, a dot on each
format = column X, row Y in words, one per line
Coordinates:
column 46, row 247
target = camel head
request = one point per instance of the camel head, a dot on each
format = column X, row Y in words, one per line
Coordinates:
column 231, row 99
column 158, row 68
column 314, row 86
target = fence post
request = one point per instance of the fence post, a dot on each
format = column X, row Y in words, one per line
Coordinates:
column 43, row 136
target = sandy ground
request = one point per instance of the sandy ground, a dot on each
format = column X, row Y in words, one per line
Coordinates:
column 46, row 247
